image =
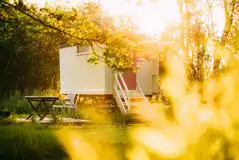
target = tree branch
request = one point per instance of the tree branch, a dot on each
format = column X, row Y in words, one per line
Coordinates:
column 89, row 40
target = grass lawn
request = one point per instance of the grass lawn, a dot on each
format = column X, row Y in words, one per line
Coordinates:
column 109, row 142
column 29, row 142
column 38, row 141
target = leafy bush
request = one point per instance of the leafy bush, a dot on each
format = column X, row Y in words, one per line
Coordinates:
column 16, row 103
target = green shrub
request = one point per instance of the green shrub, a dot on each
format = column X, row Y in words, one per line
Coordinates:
column 7, row 121
column 16, row 103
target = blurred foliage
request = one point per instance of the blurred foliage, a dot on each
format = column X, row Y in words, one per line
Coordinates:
column 201, row 129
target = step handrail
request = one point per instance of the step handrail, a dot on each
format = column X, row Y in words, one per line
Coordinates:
column 122, row 80
column 142, row 94
column 119, row 99
column 126, row 89
column 121, row 89
column 117, row 83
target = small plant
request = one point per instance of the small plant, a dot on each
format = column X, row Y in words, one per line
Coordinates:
column 7, row 121
column 16, row 103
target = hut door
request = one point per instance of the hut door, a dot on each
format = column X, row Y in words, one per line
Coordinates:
column 130, row 77
column 130, row 80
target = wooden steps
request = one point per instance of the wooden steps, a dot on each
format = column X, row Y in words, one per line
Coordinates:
column 136, row 104
column 131, row 103
column 136, row 99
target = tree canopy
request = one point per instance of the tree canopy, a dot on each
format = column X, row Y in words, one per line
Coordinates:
column 31, row 37
column 85, row 25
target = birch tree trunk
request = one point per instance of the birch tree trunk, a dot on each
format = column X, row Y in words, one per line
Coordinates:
column 229, row 8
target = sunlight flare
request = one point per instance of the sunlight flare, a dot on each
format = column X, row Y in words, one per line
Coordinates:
column 160, row 143
column 75, row 145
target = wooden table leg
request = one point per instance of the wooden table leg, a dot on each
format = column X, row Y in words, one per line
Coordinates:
column 47, row 112
column 29, row 116
column 35, row 109
column 49, row 109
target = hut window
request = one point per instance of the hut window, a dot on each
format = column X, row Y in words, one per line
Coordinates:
column 82, row 50
column 78, row 49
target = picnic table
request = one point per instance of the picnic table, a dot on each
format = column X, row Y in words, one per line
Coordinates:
column 42, row 105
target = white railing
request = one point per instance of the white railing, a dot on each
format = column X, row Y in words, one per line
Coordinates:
column 122, row 80
column 126, row 93
column 119, row 100
column 122, row 94
column 145, row 99
column 120, row 91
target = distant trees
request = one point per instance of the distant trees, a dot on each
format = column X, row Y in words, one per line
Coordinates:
column 195, row 42
column 197, row 30
column 28, row 52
